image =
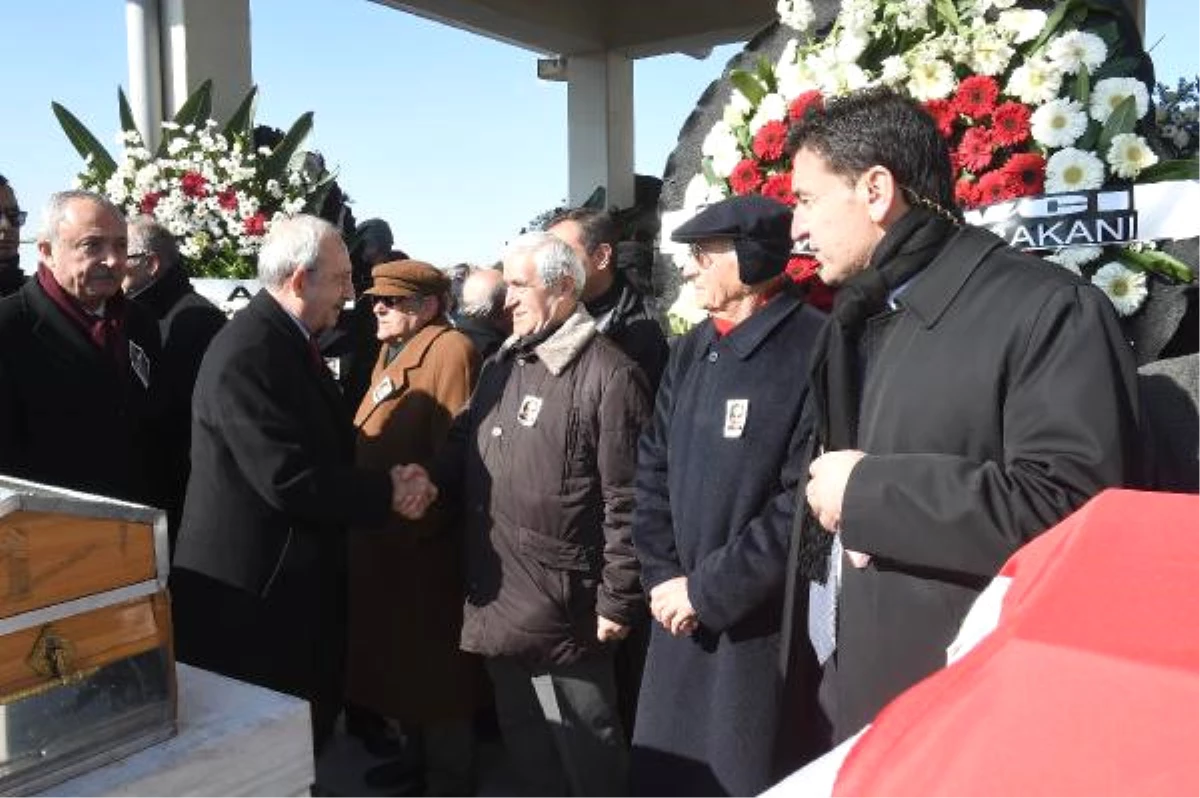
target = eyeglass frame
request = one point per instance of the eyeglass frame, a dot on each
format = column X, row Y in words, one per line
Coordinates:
column 16, row 217
column 397, row 302
column 702, row 255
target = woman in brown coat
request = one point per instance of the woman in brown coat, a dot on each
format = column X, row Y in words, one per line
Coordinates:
column 405, row 591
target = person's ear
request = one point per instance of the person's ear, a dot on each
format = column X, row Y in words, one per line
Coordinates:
column 153, row 264
column 298, row 280
column 603, row 256
column 44, row 250
column 880, row 192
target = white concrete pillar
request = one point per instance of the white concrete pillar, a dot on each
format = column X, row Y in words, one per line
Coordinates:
column 145, row 67
column 600, row 127
column 202, row 40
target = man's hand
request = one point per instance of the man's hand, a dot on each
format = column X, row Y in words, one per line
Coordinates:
column 827, row 478
column 671, row 607
column 607, row 630
column 412, row 491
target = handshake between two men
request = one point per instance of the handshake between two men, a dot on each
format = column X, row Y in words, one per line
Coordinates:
column 412, row 491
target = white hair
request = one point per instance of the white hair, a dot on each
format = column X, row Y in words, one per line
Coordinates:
column 291, row 244
column 553, row 260
column 56, row 208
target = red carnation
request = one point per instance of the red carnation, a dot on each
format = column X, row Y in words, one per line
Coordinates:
column 1027, row 171
column 809, row 100
column 779, row 187
column 976, row 96
column 966, row 192
column 975, row 149
column 255, row 225
column 193, row 184
column 227, row 199
column 769, row 140
column 149, row 202
column 801, row 267
column 745, row 177
column 943, row 114
column 1010, row 124
column 996, row 186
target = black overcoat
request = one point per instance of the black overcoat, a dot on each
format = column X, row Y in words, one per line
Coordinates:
column 998, row 397
column 718, row 510
column 271, row 493
column 68, row 415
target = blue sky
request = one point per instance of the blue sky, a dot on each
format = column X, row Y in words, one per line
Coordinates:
column 446, row 134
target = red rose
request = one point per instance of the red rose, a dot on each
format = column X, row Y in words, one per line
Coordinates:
column 1010, row 124
column 975, row 149
column 966, row 192
column 745, row 177
column 149, row 202
column 255, row 225
column 769, row 140
column 227, row 199
column 1027, row 171
column 996, row 186
column 779, row 187
column 943, row 114
column 193, row 184
column 807, row 101
column 976, row 96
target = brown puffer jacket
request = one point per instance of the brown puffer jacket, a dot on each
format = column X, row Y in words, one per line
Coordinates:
column 543, row 463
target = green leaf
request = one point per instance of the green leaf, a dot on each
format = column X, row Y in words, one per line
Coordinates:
column 596, row 199
column 709, row 174
column 1182, row 169
column 1118, row 67
column 1122, row 120
column 127, row 123
column 277, row 161
column 197, row 107
column 85, row 143
column 1088, row 140
column 1053, row 22
column 947, row 12
column 742, row 132
column 1083, row 87
column 1153, row 260
column 748, row 85
column 241, row 122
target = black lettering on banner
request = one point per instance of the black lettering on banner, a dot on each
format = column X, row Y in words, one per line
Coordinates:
column 1052, row 221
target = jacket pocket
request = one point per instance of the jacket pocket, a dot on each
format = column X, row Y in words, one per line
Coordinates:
column 553, row 552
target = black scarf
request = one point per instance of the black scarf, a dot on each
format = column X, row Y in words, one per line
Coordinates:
column 906, row 248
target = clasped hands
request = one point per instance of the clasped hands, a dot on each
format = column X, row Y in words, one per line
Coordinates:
column 412, row 491
column 670, row 606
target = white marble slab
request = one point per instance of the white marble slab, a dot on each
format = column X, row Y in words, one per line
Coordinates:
column 234, row 739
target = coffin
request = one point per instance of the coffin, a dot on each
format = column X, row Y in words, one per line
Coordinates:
column 87, row 671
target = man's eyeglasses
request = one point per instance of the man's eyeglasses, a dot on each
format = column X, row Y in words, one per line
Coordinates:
column 15, row 218
column 409, row 304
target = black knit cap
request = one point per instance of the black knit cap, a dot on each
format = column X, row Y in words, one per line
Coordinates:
column 760, row 227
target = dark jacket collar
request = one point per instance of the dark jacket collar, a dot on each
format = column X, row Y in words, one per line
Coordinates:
column 929, row 293
column 751, row 333
column 160, row 295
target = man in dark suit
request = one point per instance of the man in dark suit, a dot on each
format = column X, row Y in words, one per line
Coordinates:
column 187, row 322
column 11, row 219
column 78, row 362
column 261, row 555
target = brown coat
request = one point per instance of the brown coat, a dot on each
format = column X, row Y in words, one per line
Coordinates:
column 405, row 590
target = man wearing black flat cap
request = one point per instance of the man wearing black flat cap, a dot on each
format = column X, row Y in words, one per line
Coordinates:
column 716, row 489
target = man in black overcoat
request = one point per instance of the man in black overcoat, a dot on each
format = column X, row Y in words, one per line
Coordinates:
column 968, row 397
column 79, row 364
column 187, row 322
column 260, row 562
column 716, row 491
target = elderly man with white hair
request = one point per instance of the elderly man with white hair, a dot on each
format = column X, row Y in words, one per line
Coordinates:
column 542, row 463
column 260, row 562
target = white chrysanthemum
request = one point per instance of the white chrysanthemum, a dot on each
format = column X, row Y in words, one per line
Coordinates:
column 737, row 108
column 788, row 56
column 796, row 14
column 989, row 53
column 1125, row 287
column 931, row 80
column 1034, row 82
column 696, row 193
column 913, row 15
column 1022, row 24
column 1077, row 49
column 851, row 44
column 893, row 70
column 795, row 79
column 1111, row 92
column 1058, row 123
column 1070, row 169
column 773, row 108
column 1074, row 257
column 1129, row 154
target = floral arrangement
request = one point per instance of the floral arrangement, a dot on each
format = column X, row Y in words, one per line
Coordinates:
column 1031, row 102
column 208, row 184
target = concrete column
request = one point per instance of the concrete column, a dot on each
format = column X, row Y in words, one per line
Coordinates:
column 600, row 127
column 201, row 40
column 145, row 67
